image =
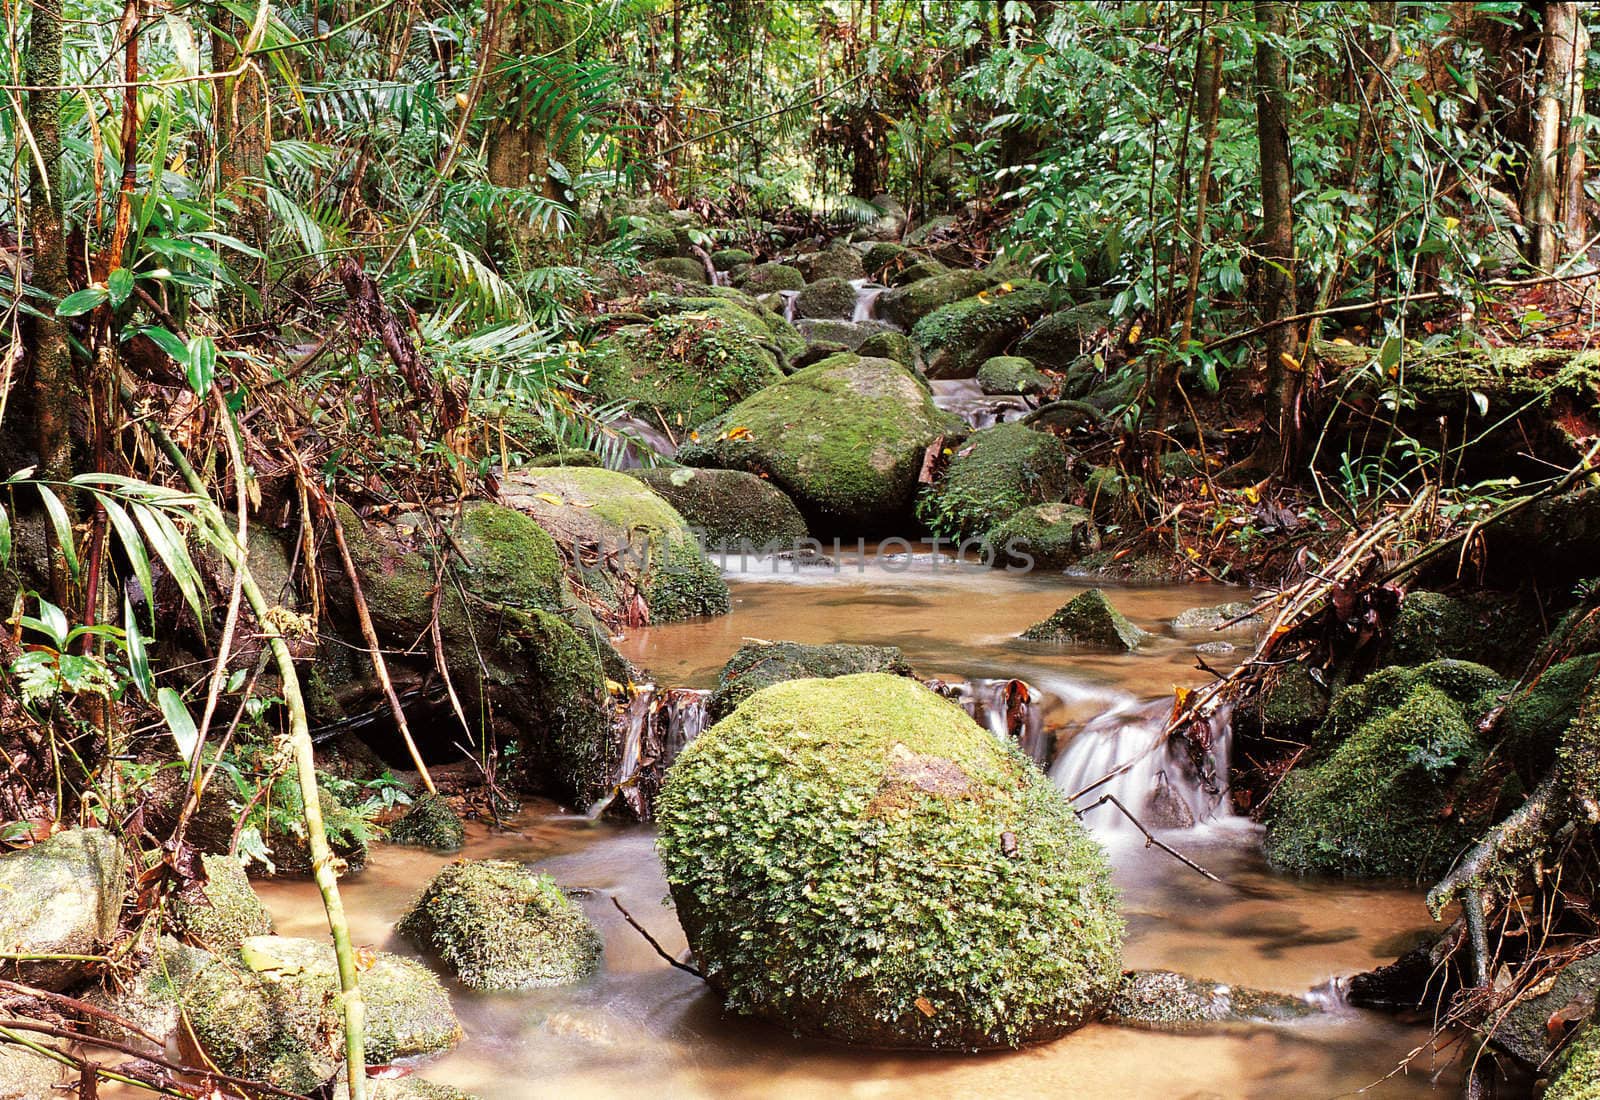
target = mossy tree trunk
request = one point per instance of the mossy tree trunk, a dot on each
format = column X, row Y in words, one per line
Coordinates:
column 1552, row 200
column 532, row 52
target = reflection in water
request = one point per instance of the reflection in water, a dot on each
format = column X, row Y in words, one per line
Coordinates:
column 642, row 1026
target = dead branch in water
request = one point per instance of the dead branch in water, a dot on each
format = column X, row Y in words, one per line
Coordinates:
column 1149, row 837
column 653, row 942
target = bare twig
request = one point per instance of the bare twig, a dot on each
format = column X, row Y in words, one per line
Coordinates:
column 1149, row 837
column 651, row 940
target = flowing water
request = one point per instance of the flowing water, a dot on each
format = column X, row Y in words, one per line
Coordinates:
column 640, row 1025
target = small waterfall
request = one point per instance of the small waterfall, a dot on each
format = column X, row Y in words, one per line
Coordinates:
column 981, row 410
column 720, row 278
column 1169, row 783
column 640, row 433
column 1010, row 710
column 867, row 294
column 653, row 727
column 788, row 297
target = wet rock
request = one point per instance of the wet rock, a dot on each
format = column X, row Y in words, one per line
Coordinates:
column 409, row 1087
column 61, row 896
column 1008, row 374
column 1045, row 536
column 812, row 903
column 1167, row 1001
column 729, row 509
column 826, row 298
column 429, row 823
column 681, row 269
column 226, row 911
column 757, row 665
column 1088, row 619
column 498, row 925
column 837, row 262
column 957, row 338
column 726, row 259
column 25, row 1075
column 271, row 1012
column 1059, row 340
column 995, row 474
column 889, row 345
column 908, row 303
column 1290, row 703
column 1165, row 808
column 629, row 545
column 1525, row 1031
column 1239, row 615
column 843, row 438
column 1108, row 494
column 149, row 996
column 886, row 258
column 1392, row 785
column 770, row 278
column 916, row 271
column 823, row 333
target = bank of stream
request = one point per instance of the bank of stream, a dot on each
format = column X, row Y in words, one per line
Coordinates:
column 641, row 1025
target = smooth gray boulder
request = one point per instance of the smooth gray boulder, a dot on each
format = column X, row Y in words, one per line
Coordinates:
column 60, row 896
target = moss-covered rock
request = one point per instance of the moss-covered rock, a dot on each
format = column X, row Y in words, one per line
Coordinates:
column 1524, row 1032
column 62, row 897
column 1482, row 627
column 1536, row 717
column 1290, row 703
column 795, row 835
column 843, row 438
column 885, row 258
column 498, row 925
column 728, row 508
column 1090, row 620
column 1237, row 615
column 998, row 472
column 25, row 1075
column 826, row 298
column 957, row 338
column 835, row 334
column 726, row 259
column 916, row 271
column 148, row 995
column 770, row 278
column 627, row 544
column 683, row 269
column 734, row 307
column 685, row 368
column 909, row 303
column 932, row 232
column 1060, row 339
column 836, row 262
column 271, row 1011
column 1393, row 784
column 1044, row 536
column 1108, row 493
column 1576, row 1075
column 223, row 911
column 889, row 345
column 757, row 665
column 429, row 823
column 566, row 458
column 1166, row 1001
column 648, row 238
column 1011, row 374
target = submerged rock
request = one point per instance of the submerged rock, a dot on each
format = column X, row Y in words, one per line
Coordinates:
column 1168, row 1001
column 795, row 835
column 844, row 438
column 62, row 897
column 1011, row 374
column 1088, row 619
column 998, row 472
column 957, row 338
column 728, row 508
column 429, row 823
column 1392, row 785
column 498, row 925
column 757, row 665
column 1239, row 615
column 1045, row 536
column 226, row 911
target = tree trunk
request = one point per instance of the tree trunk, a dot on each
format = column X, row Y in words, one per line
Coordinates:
column 52, row 356
column 1275, row 241
column 240, row 117
column 520, row 148
column 1555, row 156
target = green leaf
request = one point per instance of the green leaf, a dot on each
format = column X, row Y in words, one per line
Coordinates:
column 178, row 721
column 63, row 528
column 162, row 536
column 167, row 342
column 5, row 536
column 119, row 285
column 1389, row 355
column 52, row 622
column 81, row 302
column 201, row 365
column 138, row 659
column 132, row 545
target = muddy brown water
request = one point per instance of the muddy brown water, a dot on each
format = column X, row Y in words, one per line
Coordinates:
column 641, row 1029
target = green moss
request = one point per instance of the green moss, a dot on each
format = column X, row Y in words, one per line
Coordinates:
column 909, row 303
column 769, row 278
column 1290, row 704
column 1008, row 374
column 567, row 458
column 1167, row 1001
column 226, row 909
column 737, row 308
column 994, row 475
column 837, row 262
column 844, row 438
column 648, row 239
column 916, row 271
column 826, row 298
column 757, row 665
column 498, row 925
column 429, row 823
column 728, row 508
column 884, row 258
column 1088, row 619
column 726, row 259
column 682, row 269
column 148, row 995
column 1388, row 792
column 957, row 338
column 1535, row 719
column 1058, row 340
column 1237, row 615
column 1577, row 1073
column 1510, row 376
column 1108, row 494
column 1053, row 536
column 796, row 837
column 510, row 558
column 889, row 345
column 834, row 335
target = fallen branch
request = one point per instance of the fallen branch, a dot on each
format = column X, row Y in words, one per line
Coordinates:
column 652, row 941
column 1149, row 837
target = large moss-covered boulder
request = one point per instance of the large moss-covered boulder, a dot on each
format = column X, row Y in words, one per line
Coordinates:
column 1163, row 1000
column 630, row 547
column 224, row 911
column 1536, row 716
column 844, row 438
column 148, row 994
column 647, row 237
column 726, row 259
column 271, row 1011
column 1393, row 785
column 685, row 368
column 835, row 262
column 796, row 837
column 1060, row 339
column 909, row 303
column 678, row 269
column 517, row 643
column 1044, row 536
column 498, row 925
column 995, row 474
column 757, row 665
column 734, row 308
column 60, row 896
column 1011, row 374
column 826, row 298
column 430, row 823
column 828, row 336
column 957, row 338
column 730, row 509
column 770, row 278
column 1088, row 620
column 889, row 344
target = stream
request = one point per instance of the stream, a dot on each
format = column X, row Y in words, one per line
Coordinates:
column 639, row 1024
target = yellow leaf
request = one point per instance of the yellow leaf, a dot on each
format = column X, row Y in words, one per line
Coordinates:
column 694, row 437
column 1007, row 287
column 740, row 432
column 1251, row 496
column 614, row 688
column 1450, row 224
column 549, row 498
column 924, row 1006
column 462, row 100
column 1340, row 341
column 1289, row 362
column 1134, row 333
